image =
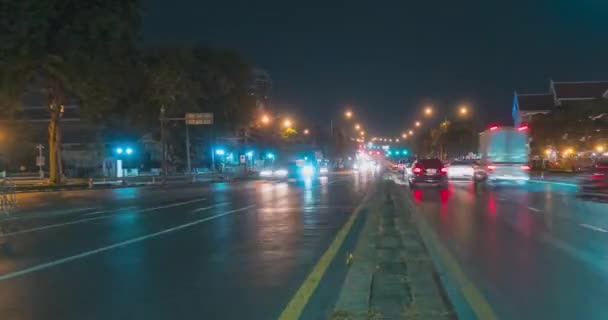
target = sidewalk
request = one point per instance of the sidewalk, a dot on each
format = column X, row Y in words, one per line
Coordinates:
column 391, row 275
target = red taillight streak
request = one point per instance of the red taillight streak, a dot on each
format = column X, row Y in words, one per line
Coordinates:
column 491, row 167
column 522, row 128
column 444, row 170
column 417, row 170
column 492, row 128
column 525, row 167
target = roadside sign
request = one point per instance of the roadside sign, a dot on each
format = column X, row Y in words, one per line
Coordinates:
column 40, row 161
column 199, row 118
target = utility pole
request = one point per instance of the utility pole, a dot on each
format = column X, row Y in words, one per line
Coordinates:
column 163, row 146
column 40, row 161
column 188, row 163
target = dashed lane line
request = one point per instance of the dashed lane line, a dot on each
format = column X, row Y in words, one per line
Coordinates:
column 594, row 228
column 85, row 254
column 534, row 209
column 555, row 183
column 59, row 225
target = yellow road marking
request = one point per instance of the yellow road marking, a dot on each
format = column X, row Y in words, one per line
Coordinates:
column 294, row 308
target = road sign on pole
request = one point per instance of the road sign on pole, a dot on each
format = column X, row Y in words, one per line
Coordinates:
column 199, row 118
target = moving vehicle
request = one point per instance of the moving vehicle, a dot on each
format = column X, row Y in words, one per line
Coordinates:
column 462, row 170
column 504, row 155
column 596, row 183
column 428, row 172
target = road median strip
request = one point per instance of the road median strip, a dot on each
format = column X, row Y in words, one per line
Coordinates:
column 391, row 276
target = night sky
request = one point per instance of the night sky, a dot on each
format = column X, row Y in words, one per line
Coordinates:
column 387, row 58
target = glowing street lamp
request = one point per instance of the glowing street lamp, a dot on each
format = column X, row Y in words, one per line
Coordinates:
column 404, row 136
column 463, row 111
column 265, row 119
column 599, row 148
column 357, row 126
column 428, row 111
column 348, row 114
column 306, row 131
column 410, row 132
column 362, row 133
column 287, row 123
column 417, row 123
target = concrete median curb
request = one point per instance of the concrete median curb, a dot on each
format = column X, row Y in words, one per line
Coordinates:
column 391, row 274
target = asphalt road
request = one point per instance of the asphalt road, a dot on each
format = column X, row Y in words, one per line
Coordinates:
column 218, row 251
column 534, row 252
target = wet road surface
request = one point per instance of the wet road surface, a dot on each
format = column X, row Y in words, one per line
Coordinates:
column 217, row 251
column 535, row 252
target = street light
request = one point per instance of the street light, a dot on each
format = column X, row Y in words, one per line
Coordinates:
column 220, row 152
column 410, row 132
column 357, row 126
column 306, row 131
column 600, row 148
column 265, row 119
column 287, row 123
column 404, row 136
column 417, row 123
column 362, row 133
column 119, row 150
column 128, row 151
column 428, row 111
column 463, row 111
column 348, row 114
column 396, row 140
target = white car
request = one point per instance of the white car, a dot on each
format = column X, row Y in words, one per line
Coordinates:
column 461, row 170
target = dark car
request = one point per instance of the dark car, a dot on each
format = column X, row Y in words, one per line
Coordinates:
column 596, row 183
column 428, row 172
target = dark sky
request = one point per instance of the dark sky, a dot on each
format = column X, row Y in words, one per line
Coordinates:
column 386, row 58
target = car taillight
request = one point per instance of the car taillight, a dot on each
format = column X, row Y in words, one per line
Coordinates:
column 417, row 170
column 491, row 167
column 525, row 167
column 444, row 170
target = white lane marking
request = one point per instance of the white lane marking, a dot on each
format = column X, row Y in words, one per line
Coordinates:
column 210, row 207
column 556, row 183
column 50, row 214
column 502, row 199
column 85, row 254
column 108, row 211
column 533, row 209
column 58, row 225
column 594, row 228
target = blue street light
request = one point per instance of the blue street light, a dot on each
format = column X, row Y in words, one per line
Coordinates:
column 270, row 156
column 220, row 152
column 129, row 151
column 119, row 150
column 249, row 154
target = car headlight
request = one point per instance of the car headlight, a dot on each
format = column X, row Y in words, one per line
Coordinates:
column 307, row 171
column 265, row 173
column 280, row 173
